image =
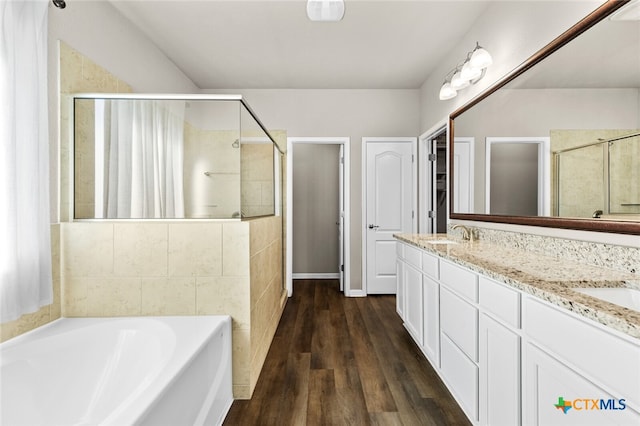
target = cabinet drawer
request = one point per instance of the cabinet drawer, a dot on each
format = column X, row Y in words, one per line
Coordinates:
column 501, row 301
column 606, row 358
column 430, row 265
column 461, row 375
column 413, row 256
column 459, row 279
column 459, row 320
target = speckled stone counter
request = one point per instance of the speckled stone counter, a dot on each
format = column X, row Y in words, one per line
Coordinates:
column 546, row 277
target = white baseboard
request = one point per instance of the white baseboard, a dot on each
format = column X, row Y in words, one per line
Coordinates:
column 316, row 276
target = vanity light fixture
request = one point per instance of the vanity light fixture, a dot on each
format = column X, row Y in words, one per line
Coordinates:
column 325, row 10
column 469, row 72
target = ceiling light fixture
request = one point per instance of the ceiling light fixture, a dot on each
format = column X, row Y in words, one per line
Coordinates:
column 467, row 73
column 325, row 10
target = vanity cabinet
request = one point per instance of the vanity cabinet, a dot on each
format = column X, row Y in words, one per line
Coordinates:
column 409, row 297
column 418, row 298
column 507, row 356
column 431, row 327
column 576, row 359
column 413, row 302
column 459, row 335
column 499, row 354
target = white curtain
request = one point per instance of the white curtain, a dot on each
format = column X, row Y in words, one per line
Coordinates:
column 25, row 241
column 144, row 159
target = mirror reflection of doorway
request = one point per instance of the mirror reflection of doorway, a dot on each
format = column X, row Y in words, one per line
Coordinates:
column 438, row 167
column 517, row 176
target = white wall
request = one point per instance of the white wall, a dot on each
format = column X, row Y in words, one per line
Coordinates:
column 332, row 113
column 511, row 32
column 98, row 31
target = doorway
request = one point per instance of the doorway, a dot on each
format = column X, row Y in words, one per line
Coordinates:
column 433, row 181
column 319, row 224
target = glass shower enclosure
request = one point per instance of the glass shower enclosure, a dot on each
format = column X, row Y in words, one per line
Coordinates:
column 172, row 157
column 600, row 178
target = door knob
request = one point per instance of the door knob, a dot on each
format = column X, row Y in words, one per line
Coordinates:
column 371, row 226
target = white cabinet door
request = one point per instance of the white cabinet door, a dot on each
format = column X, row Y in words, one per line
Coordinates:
column 554, row 394
column 499, row 374
column 400, row 288
column 431, row 306
column 413, row 302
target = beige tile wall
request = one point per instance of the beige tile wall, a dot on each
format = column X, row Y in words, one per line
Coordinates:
column 79, row 74
column 257, row 179
column 268, row 295
column 216, row 195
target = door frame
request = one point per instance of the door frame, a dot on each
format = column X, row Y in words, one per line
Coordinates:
column 345, row 142
column 424, row 177
column 544, row 169
column 414, row 196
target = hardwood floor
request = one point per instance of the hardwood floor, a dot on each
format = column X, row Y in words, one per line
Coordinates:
column 344, row 361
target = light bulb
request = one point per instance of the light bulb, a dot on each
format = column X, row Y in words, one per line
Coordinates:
column 325, row 10
column 469, row 72
column 447, row 92
column 480, row 58
column 457, row 82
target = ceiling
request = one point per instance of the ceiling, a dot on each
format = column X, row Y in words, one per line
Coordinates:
column 219, row 44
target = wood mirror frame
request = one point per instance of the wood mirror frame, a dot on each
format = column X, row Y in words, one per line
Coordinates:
column 551, row 222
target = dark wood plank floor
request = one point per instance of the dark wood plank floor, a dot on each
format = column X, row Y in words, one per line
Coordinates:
column 344, row 361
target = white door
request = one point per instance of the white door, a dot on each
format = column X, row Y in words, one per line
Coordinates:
column 389, row 193
column 463, row 154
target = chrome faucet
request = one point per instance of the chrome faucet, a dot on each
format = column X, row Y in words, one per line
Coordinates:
column 467, row 234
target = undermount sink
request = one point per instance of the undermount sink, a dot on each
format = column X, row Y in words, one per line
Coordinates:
column 441, row 242
column 627, row 297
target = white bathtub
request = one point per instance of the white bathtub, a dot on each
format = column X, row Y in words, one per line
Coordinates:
column 173, row 371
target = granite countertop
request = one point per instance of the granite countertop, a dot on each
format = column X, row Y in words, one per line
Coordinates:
column 546, row 277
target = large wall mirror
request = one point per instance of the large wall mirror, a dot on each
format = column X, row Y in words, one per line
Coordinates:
column 556, row 142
